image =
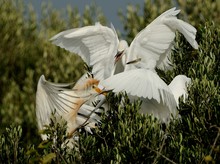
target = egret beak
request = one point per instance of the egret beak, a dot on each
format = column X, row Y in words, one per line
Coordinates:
column 134, row 61
column 118, row 56
column 98, row 90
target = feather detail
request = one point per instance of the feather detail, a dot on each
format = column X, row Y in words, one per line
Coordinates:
column 96, row 45
column 154, row 43
column 66, row 102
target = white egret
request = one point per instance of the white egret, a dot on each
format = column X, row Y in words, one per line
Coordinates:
column 74, row 105
column 99, row 45
column 150, row 49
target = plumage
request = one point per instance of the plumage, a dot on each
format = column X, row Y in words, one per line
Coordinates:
column 158, row 98
column 97, row 45
column 154, row 42
column 151, row 49
column 100, row 48
column 69, row 103
column 178, row 86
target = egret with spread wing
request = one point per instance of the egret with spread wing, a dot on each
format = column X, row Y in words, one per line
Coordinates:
column 97, row 46
column 100, row 48
column 73, row 104
column 152, row 46
column 151, row 49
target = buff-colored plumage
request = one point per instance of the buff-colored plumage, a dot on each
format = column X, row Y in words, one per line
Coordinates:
column 69, row 103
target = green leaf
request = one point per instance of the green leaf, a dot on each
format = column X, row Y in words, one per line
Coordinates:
column 48, row 158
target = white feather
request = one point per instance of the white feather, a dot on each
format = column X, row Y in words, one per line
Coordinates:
column 154, row 43
column 151, row 48
column 178, row 86
column 157, row 97
column 57, row 99
column 97, row 45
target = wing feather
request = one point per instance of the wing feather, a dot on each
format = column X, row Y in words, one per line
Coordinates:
column 156, row 40
column 97, row 46
column 142, row 83
column 50, row 98
column 61, row 100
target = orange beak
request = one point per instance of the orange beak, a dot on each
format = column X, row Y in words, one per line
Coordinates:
column 98, row 90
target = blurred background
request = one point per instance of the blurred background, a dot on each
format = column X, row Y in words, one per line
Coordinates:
column 26, row 52
column 109, row 9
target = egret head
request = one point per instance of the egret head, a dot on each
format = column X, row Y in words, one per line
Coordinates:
column 122, row 47
column 90, row 85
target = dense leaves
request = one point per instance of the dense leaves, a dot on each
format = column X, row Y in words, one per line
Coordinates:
column 125, row 136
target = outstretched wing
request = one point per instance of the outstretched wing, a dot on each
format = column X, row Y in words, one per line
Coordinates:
column 154, row 43
column 97, row 46
column 142, row 83
column 61, row 100
column 53, row 98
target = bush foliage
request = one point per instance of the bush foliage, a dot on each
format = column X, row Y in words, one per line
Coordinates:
column 125, row 136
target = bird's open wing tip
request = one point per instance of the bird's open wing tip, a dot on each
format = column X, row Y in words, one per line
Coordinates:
column 42, row 77
column 53, row 38
column 195, row 45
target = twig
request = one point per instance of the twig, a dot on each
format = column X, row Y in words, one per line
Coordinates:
column 216, row 138
column 103, row 139
column 88, row 117
column 159, row 153
column 58, row 153
column 98, row 106
column 169, row 160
